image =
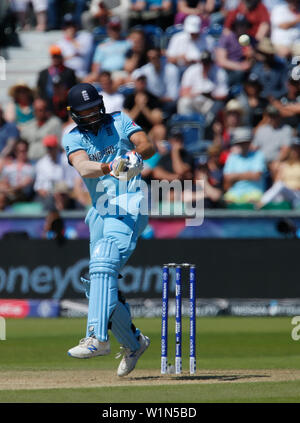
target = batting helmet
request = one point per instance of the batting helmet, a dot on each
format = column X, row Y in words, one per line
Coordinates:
column 84, row 97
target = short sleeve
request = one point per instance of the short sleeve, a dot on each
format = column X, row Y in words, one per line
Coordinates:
column 229, row 165
column 259, row 162
column 72, row 142
column 98, row 56
column 128, row 125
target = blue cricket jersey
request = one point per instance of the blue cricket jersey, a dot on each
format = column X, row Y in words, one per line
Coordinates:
column 111, row 141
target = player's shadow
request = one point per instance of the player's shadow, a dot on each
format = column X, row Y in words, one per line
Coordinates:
column 222, row 377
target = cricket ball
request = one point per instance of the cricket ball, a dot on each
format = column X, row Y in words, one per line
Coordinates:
column 244, row 40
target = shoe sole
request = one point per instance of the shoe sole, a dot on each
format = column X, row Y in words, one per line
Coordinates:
column 91, row 356
column 147, row 346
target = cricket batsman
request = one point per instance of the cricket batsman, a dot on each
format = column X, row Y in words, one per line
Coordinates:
column 108, row 149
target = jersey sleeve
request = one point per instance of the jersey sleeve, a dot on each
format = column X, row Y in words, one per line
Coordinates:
column 72, row 142
column 128, row 125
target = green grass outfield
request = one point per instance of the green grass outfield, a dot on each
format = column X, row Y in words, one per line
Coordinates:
column 256, row 346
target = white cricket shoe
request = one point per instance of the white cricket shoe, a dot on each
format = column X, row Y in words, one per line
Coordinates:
column 89, row 347
column 130, row 358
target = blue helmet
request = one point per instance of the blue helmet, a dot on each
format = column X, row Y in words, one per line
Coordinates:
column 82, row 97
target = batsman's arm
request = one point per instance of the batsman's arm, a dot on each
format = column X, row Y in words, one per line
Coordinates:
column 87, row 168
column 143, row 145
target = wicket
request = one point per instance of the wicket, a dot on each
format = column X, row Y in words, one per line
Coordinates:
column 178, row 317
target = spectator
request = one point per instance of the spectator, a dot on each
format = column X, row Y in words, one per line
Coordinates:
column 162, row 80
column 112, row 99
column 151, row 12
column 57, row 8
column 18, row 176
column 9, row 134
column 225, row 125
column 252, row 102
column 201, row 8
column 8, row 34
column 230, row 55
column 63, row 196
column 270, row 4
column 110, row 55
column 270, row 69
column 214, row 167
column 35, row 130
column 211, row 174
column 185, row 47
column 20, row 110
column 203, row 88
column 256, row 14
column 230, row 5
column 162, row 148
column 289, row 104
column 218, row 10
column 273, row 139
column 51, row 170
column 76, row 47
column 287, row 180
column 40, row 8
column 19, row 9
column 244, row 170
column 59, row 102
column 55, row 228
column 177, row 164
column 145, row 109
column 97, row 16
column 136, row 56
column 57, row 71
column 285, row 21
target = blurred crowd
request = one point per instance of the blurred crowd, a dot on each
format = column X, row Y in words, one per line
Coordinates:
column 214, row 83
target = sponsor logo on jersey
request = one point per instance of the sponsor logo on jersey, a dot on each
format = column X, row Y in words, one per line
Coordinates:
column 107, row 151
